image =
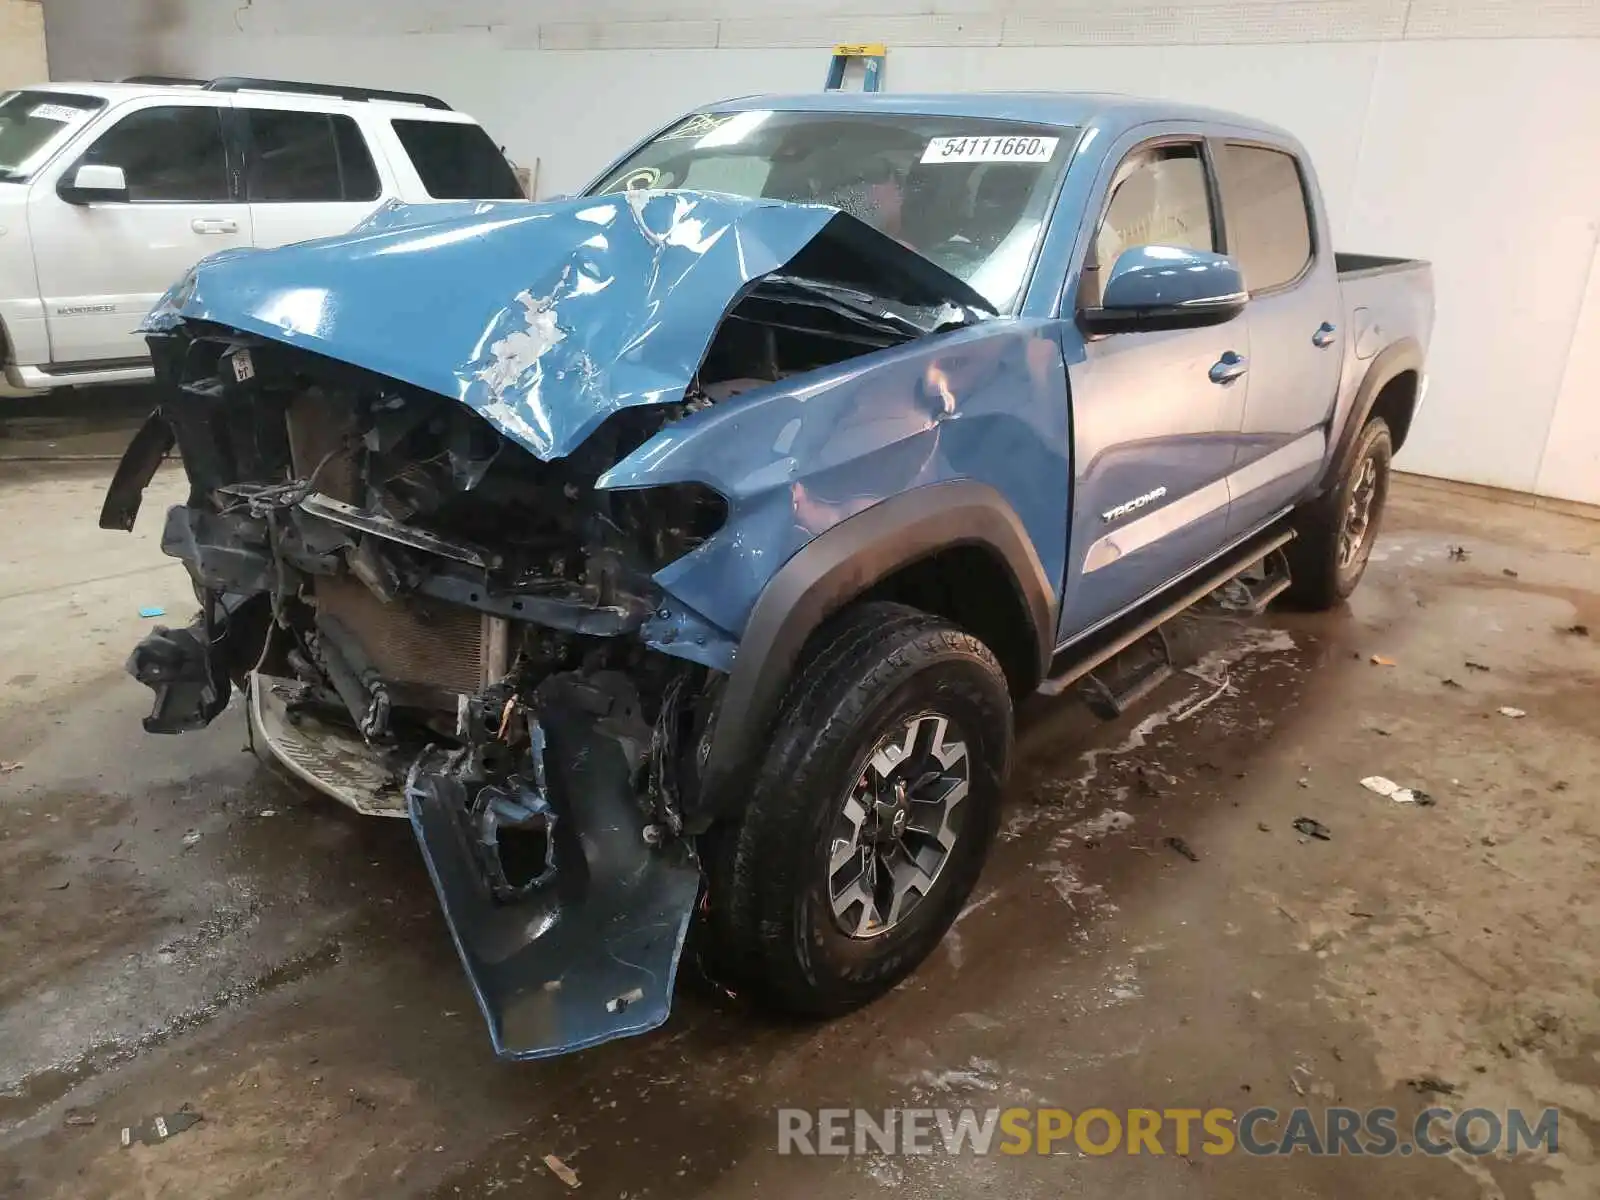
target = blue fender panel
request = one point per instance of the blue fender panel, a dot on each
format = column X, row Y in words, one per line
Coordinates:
column 973, row 423
column 987, row 403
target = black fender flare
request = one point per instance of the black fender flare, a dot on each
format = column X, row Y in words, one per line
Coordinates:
column 835, row 568
column 1403, row 355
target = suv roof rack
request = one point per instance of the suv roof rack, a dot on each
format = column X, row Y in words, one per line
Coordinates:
column 240, row 83
column 164, row 81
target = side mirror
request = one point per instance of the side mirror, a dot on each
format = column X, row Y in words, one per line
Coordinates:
column 1167, row 287
column 94, row 182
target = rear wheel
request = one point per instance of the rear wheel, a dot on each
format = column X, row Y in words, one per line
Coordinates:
column 1336, row 532
column 870, row 816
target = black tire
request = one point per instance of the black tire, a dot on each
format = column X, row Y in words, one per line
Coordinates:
column 1324, row 563
column 771, row 908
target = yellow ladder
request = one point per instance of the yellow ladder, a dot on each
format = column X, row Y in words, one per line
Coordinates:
column 871, row 55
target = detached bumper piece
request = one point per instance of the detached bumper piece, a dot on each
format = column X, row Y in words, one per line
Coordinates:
column 326, row 755
column 190, row 684
column 569, row 919
column 191, row 670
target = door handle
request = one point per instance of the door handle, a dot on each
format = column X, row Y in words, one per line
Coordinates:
column 1228, row 368
column 214, row 225
column 1324, row 336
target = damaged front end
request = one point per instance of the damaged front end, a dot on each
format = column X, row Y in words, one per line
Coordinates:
column 408, row 562
column 427, row 621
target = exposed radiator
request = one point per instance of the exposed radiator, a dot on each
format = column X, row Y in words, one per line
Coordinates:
column 320, row 425
column 410, row 641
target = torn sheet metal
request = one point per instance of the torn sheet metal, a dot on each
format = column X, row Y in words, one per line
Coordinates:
column 593, row 954
column 545, row 318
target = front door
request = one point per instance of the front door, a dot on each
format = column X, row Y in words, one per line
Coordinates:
column 102, row 266
column 1154, row 436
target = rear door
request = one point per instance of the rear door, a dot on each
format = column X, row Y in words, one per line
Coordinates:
column 102, row 266
column 1153, row 436
column 1295, row 311
column 308, row 174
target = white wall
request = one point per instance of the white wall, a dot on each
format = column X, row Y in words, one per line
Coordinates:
column 21, row 43
column 1463, row 131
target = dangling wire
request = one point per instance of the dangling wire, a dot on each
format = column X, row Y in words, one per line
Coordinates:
column 262, row 499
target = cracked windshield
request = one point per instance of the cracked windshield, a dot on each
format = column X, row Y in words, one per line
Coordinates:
column 970, row 194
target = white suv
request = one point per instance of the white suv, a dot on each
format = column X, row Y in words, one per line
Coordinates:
column 110, row 192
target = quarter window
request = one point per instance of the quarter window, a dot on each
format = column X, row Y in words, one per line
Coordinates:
column 457, row 161
column 305, row 156
column 1158, row 198
column 167, row 154
column 1269, row 224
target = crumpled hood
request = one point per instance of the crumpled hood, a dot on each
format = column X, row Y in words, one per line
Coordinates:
column 544, row 318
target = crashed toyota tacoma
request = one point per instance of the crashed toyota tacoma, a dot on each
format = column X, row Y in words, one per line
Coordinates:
column 684, row 546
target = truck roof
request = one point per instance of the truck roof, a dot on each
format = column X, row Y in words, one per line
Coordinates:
column 1104, row 109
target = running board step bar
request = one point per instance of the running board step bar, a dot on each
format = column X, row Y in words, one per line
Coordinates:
column 1075, row 662
column 1110, row 694
column 1250, row 592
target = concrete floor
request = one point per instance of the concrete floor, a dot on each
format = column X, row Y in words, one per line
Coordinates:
column 289, row 977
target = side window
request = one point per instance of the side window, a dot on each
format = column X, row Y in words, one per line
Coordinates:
column 1269, row 224
column 167, row 154
column 1158, row 198
column 457, row 161
column 306, row 156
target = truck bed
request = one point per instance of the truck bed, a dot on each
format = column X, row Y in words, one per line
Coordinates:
column 1364, row 266
column 1387, row 301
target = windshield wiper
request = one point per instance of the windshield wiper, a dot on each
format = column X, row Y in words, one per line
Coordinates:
column 10, row 175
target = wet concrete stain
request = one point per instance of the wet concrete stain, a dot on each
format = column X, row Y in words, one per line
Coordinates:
column 29, row 1095
column 290, row 976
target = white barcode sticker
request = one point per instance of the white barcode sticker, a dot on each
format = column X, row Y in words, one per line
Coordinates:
column 243, row 368
column 56, row 112
column 990, row 149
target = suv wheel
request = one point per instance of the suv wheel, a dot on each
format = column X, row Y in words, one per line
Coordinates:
column 870, row 816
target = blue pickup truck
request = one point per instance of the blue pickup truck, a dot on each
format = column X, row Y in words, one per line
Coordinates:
column 683, row 546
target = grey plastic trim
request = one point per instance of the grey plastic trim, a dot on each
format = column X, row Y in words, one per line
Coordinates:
column 1404, row 355
column 842, row 564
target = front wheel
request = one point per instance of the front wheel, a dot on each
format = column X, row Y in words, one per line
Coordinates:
column 1336, row 532
column 870, row 816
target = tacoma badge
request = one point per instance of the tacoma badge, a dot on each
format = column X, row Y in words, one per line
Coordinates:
column 1134, row 505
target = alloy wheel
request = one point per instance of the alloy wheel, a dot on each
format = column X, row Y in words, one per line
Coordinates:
column 898, row 825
